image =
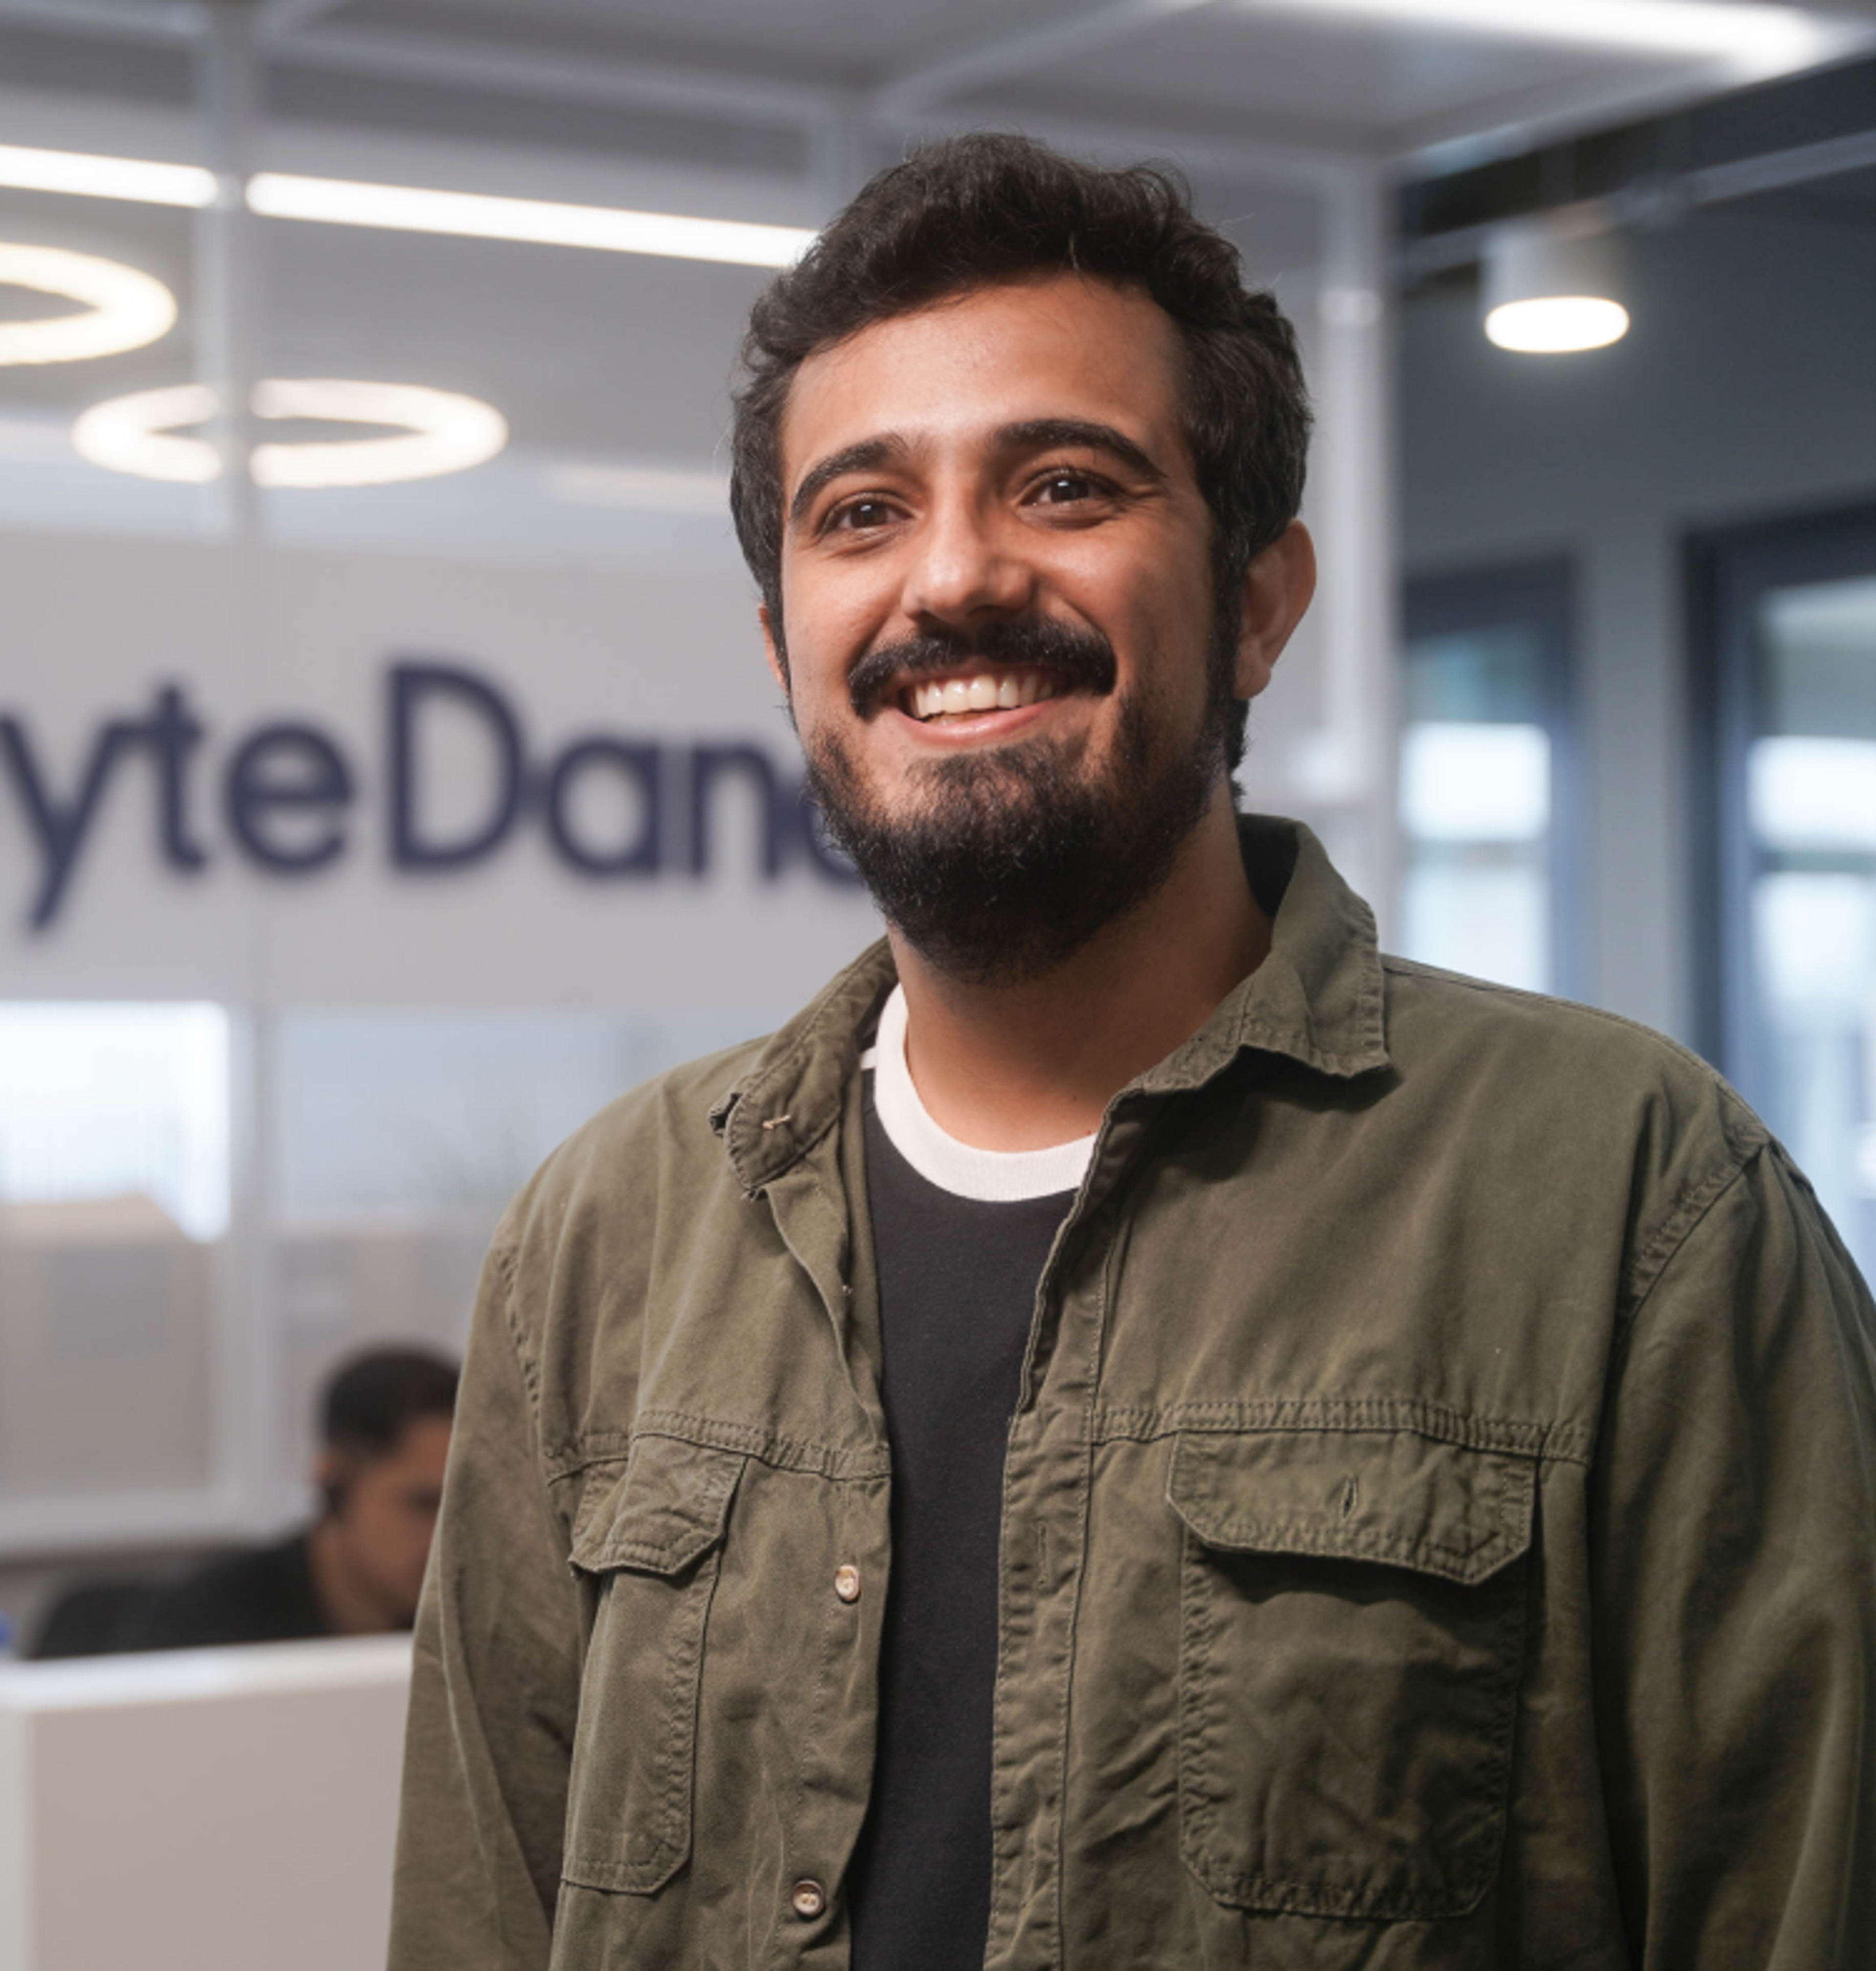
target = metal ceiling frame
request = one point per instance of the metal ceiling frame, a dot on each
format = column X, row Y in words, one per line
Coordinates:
column 733, row 96
column 122, row 20
column 834, row 120
column 273, row 19
column 915, row 91
column 1657, row 198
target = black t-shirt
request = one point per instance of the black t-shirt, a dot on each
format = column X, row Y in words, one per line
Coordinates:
column 265, row 1595
column 957, row 1289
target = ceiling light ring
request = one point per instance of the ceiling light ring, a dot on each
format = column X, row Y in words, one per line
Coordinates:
column 120, row 308
column 443, row 431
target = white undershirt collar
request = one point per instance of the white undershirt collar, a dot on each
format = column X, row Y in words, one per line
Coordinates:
column 992, row 1177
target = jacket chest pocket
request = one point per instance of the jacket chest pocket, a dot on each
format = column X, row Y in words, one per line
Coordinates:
column 1352, row 1633
column 652, row 1548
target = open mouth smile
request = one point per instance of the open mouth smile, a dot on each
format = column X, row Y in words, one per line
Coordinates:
column 971, row 694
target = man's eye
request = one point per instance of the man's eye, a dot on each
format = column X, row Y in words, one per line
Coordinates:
column 1061, row 489
column 857, row 515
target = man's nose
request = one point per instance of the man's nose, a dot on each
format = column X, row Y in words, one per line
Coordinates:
column 965, row 568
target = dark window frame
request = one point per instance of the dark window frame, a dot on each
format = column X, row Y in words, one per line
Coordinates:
column 1539, row 594
column 1727, row 572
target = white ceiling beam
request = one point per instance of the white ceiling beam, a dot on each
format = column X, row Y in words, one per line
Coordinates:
column 130, row 20
column 276, row 19
column 515, row 71
column 1002, row 58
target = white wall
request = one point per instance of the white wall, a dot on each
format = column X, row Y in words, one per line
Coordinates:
column 261, row 635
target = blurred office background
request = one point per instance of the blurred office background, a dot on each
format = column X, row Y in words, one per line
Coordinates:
column 391, row 775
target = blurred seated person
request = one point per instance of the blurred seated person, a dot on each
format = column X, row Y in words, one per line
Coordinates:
column 384, row 1435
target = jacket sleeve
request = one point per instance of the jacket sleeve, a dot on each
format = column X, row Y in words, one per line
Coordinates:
column 1734, row 1578
column 495, row 1683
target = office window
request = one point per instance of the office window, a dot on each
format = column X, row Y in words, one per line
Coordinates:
column 400, row 1134
column 1484, row 775
column 114, row 1207
column 202, row 1209
column 1785, row 658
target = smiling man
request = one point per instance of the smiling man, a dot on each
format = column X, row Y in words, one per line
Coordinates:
column 1134, row 1431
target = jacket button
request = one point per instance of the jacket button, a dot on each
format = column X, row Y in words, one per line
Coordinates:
column 808, row 1900
column 847, row 1583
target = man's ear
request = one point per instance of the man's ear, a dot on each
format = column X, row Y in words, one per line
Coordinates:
column 1278, row 586
column 333, row 1472
column 772, row 647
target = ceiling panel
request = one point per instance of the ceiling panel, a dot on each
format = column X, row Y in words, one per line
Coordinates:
column 1346, row 80
column 1272, row 71
column 851, row 40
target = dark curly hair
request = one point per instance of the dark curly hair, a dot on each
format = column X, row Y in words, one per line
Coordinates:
column 974, row 210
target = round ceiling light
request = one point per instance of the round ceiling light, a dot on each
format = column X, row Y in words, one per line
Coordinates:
column 121, row 307
column 137, row 434
column 1552, row 287
column 442, row 432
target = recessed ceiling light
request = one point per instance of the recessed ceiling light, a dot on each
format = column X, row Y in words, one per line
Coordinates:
column 473, row 215
column 135, row 179
column 443, row 432
column 1754, row 33
column 121, row 307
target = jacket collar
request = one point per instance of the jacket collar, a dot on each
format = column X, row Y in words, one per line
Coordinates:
column 1317, row 999
column 1317, row 996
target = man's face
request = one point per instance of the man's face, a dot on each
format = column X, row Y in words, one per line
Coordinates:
column 1001, row 634
column 387, row 1513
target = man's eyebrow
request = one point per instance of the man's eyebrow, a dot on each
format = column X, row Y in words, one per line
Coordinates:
column 867, row 456
column 1038, row 434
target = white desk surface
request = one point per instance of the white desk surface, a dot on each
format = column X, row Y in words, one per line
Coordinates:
column 202, row 1809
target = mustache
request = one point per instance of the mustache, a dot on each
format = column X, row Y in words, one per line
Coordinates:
column 1078, row 656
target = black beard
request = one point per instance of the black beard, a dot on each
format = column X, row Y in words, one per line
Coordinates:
column 1010, row 860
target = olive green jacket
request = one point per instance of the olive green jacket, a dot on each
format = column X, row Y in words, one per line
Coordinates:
column 1439, row 1519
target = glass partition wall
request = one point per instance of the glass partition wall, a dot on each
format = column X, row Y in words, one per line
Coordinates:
column 1785, row 665
column 387, row 768
column 171, row 1297
column 1486, row 787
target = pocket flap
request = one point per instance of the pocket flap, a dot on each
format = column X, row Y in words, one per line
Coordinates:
column 670, row 1505
column 1382, row 1495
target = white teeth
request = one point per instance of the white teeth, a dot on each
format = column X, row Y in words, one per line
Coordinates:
column 987, row 691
